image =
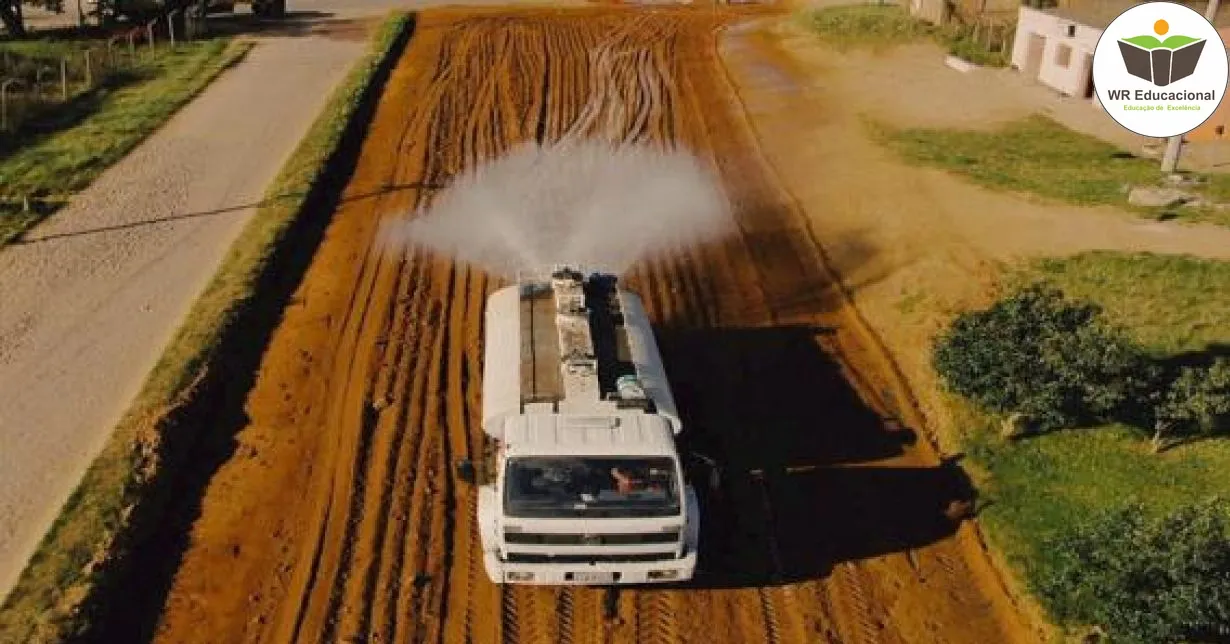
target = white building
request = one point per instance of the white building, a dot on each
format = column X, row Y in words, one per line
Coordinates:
column 1057, row 49
column 1055, row 46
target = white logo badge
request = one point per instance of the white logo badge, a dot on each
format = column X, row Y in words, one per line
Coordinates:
column 1160, row 69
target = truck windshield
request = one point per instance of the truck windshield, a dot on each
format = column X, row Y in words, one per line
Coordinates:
column 591, row 487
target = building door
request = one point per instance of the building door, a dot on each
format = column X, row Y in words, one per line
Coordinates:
column 1033, row 55
column 1086, row 62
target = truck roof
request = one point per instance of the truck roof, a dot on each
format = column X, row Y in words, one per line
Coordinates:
column 571, row 345
column 635, row 434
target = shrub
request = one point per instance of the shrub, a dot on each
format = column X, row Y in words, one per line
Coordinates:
column 870, row 26
column 1197, row 402
column 1050, row 359
column 1147, row 580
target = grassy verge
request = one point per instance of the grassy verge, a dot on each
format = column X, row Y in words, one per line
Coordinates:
column 1039, row 156
column 83, row 557
column 875, row 27
column 68, row 150
column 1033, row 489
column 881, row 26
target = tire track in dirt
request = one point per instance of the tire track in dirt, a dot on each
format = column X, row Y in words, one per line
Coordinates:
column 389, row 549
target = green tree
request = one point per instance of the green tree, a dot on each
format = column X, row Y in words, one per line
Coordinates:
column 1145, row 580
column 1048, row 358
column 1197, row 402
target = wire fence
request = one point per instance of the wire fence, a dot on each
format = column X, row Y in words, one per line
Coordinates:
column 36, row 86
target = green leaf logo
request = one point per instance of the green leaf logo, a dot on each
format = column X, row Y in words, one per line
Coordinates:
column 1158, row 61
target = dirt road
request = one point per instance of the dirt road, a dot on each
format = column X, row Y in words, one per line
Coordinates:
column 338, row 517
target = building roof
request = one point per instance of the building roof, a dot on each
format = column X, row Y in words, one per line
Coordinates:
column 1100, row 13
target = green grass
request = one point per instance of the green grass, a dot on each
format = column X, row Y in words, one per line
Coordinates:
column 962, row 45
column 44, row 606
column 1170, row 304
column 1033, row 488
column 1034, row 155
column 53, row 165
column 865, row 26
column 881, row 26
column 1039, row 156
column 46, row 48
column 1038, row 485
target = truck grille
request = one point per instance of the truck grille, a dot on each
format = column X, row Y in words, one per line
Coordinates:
column 522, row 557
column 548, row 539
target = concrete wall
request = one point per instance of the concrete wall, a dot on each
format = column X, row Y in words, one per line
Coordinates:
column 933, row 11
column 1066, row 51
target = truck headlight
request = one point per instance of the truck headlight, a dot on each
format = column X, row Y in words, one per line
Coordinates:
column 663, row 574
column 519, row 576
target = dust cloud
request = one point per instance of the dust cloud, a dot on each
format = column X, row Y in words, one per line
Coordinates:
column 594, row 205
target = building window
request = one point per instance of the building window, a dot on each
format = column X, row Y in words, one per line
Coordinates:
column 1220, row 130
column 1063, row 56
column 1071, row 31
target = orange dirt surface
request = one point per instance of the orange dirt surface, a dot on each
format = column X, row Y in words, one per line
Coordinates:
column 338, row 518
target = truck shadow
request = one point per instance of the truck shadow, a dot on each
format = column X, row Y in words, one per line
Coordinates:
column 810, row 475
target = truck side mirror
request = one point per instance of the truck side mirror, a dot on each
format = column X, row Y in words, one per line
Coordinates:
column 703, row 467
column 465, row 470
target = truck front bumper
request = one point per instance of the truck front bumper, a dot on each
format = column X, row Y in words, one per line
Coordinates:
column 590, row 574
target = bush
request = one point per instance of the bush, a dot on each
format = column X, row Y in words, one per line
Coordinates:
column 963, row 46
column 1050, row 359
column 1142, row 579
column 1197, row 402
column 866, row 26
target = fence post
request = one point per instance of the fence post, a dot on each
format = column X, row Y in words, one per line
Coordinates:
column 132, row 45
column 171, row 28
column 149, row 31
column 64, row 79
column 38, row 82
column 89, row 73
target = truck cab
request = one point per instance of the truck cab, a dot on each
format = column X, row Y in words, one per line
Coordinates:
column 584, row 484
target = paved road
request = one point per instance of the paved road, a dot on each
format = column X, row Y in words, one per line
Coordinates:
column 88, row 303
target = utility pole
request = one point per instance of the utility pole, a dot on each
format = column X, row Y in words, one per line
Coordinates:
column 1170, row 160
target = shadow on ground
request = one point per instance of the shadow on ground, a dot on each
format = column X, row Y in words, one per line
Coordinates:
column 49, row 120
column 293, row 24
column 810, row 475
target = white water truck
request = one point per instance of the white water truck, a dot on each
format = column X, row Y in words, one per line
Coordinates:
column 583, row 483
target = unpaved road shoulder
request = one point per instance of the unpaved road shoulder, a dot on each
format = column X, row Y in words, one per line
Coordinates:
column 906, row 237
column 90, row 298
